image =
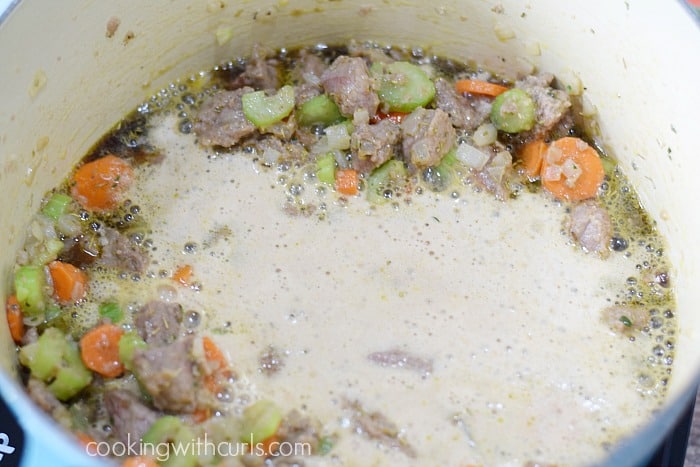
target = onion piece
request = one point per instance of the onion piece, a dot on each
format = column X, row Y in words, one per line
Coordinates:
column 471, row 156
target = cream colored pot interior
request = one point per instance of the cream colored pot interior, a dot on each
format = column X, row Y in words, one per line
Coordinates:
column 67, row 80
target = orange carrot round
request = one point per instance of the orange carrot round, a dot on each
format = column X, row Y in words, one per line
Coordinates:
column 99, row 350
column 14, row 318
column 531, row 156
column 347, row 181
column 99, row 185
column 476, row 86
column 572, row 170
column 69, row 282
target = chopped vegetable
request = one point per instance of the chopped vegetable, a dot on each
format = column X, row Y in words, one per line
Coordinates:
column 403, row 86
column 100, row 184
column 531, row 156
column 219, row 371
column 319, row 110
column 572, row 170
column 325, row 169
column 626, row 321
column 55, row 359
column 129, row 343
column 111, row 311
column 56, row 206
column 347, row 181
column 183, row 275
column 69, row 282
column 485, row 135
column 396, row 117
column 99, row 350
column 263, row 110
column 384, row 180
column 171, row 430
column 513, row 111
column 476, row 86
column 29, row 289
column 260, row 421
column 14, row 318
column 88, row 443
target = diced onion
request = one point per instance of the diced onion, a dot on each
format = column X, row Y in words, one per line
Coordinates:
column 338, row 137
column 551, row 173
column 485, row 135
column 471, row 156
column 503, row 32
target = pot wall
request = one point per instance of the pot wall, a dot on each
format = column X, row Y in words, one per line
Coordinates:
column 65, row 83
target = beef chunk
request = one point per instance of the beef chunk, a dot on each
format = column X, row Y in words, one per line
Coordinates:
column 347, row 80
column 427, row 136
column 590, row 226
column 377, row 427
column 261, row 71
column 396, row 358
column 167, row 373
column 465, row 112
column 221, row 121
column 44, row 398
column 552, row 104
column 159, row 323
column 130, row 417
column 117, row 251
column 372, row 145
column 309, row 68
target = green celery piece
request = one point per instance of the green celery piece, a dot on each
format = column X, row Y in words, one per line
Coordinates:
column 169, row 429
column 260, row 421
column 56, row 206
column 73, row 376
column 403, row 86
column 390, row 175
column 513, row 111
column 325, row 169
column 51, row 248
column 56, row 360
column 112, row 311
column 29, row 289
column 128, row 344
column 319, row 110
column 263, row 110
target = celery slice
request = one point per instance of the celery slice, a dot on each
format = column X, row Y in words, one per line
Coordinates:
column 325, row 169
column 260, row 421
column 319, row 110
column 171, row 430
column 56, row 206
column 29, row 289
column 128, row 344
column 56, row 360
column 384, row 180
column 263, row 110
column 513, row 111
column 403, row 86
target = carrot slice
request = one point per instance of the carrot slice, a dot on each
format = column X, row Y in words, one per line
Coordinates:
column 531, row 156
column 219, row 372
column 99, row 185
column 69, row 282
column 572, row 170
column 139, row 461
column 396, row 117
column 88, row 443
column 14, row 318
column 99, row 350
column 476, row 86
column 347, row 181
column 183, row 275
